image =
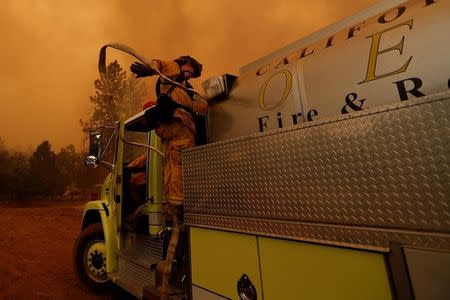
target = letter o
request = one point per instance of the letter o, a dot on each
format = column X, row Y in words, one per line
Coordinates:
column 287, row 89
column 400, row 11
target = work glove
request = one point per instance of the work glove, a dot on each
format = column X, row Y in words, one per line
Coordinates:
column 141, row 70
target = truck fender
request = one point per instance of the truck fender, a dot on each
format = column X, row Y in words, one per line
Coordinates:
column 98, row 212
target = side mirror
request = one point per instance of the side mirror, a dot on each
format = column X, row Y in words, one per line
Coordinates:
column 95, row 149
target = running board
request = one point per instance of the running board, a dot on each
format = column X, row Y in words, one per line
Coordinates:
column 137, row 264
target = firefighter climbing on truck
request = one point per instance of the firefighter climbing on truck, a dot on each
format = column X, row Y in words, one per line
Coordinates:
column 176, row 109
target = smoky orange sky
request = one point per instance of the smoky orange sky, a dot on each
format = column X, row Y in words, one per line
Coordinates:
column 50, row 49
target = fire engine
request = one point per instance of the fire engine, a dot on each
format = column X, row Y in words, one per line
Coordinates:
column 325, row 174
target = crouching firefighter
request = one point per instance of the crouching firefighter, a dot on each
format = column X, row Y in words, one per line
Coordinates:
column 174, row 121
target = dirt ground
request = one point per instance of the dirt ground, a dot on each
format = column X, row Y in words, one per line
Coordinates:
column 36, row 253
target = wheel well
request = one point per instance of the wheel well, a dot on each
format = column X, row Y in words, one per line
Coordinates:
column 91, row 217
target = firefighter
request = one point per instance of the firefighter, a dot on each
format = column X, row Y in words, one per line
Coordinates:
column 177, row 133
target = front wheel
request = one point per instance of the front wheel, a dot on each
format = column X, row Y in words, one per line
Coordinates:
column 89, row 255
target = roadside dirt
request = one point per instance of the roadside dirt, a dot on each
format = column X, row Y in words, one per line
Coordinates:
column 36, row 253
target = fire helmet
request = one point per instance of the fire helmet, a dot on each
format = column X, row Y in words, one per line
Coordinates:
column 186, row 59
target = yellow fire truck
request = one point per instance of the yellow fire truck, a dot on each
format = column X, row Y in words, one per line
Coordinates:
column 325, row 174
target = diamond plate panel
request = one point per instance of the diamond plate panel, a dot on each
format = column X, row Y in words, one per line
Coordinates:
column 383, row 168
column 355, row 237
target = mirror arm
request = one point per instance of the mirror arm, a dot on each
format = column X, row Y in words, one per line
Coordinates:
column 107, row 145
column 107, row 165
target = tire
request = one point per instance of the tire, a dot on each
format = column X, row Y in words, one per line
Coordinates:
column 90, row 259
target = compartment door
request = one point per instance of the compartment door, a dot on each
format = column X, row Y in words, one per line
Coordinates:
column 219, row 259
column 296, row 270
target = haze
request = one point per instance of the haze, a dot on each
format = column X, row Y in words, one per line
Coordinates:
column 50, row 49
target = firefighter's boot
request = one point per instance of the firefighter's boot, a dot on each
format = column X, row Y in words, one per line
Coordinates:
column 165, row 267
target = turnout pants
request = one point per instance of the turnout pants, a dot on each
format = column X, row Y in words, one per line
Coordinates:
column 175, row 138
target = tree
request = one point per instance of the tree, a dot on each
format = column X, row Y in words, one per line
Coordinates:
column 13, row 174
column 115, row 94
column 108, row 95
column 4, row 171
column 44, row 177
column 19, row 168
column 134, row 96
column 73, row 172
column 69, row 163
